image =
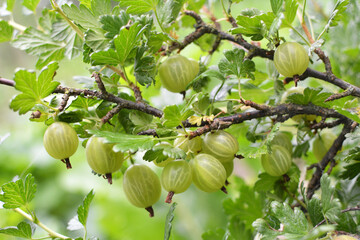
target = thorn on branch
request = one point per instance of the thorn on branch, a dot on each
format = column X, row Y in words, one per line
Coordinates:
column 149, row 132
column 100, row 84
column 323, row 124
column 111, row 113
column 65, row 99
column 346, row 93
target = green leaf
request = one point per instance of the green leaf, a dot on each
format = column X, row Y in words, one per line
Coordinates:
column 347, row 113
column 113, row 24
column 330, row 204
column 62, row 31
column 101, row 7
column 265, row 182
column 156, row 40
column 291, row 7
column 72, row 116
column 294, row 223
column 351, row 171
column 126, row 142
column 155, row 155
column 337, row 12
column 19, row 193
column 346, row 223
column 81, row 16
column 40, row 44
column 96, row 40
column 253, row 23
column 33, row 90
column 238, row 230
column 248, row 207
column 31, row 4
column 276, row 24
column 10, row 5
column 234, row 64
column 315, row 211
column 170, row 151
column 213, row 234
column 22, row 230
column 142, row 121
column 83, row 210
column 169, row 10
column 174, row 116
column 310, row 95
column 6, row 31
column 138, row 6
column 276, row 5
column 168, row 221
column 85, row 103
column 124, row 44
column 144, row 67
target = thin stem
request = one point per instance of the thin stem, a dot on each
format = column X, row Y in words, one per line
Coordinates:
column 298, row 33
column 48, row 106
column 57, row 8
column 52, row 233
column 157, row 19
column 17, row 26
column 223, row 6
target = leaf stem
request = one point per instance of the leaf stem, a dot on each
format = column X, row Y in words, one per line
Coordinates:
column 57, row 8
column 52, row 233
column 17, row 26
column 157, row 19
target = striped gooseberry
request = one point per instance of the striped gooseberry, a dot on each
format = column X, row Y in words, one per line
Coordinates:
column 101, row 157
column 282, row 139
column 220, row 144
column 278, row 162
column 176, row 177
column 61, row 141
column 208, row 174
column 322, row 143
column 189, row 146
column 142, row 187
column 291, row 59
column 176, row 72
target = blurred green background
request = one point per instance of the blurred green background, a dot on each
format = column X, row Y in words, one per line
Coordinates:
column 61, row 191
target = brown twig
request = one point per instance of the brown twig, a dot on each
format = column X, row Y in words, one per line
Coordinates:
column 99, row 83
column 111, row 113
column 65, row 99
column 346, row 93
column 314, row 183
column 322, row 124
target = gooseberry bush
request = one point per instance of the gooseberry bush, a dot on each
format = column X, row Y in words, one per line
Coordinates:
column 254, row 103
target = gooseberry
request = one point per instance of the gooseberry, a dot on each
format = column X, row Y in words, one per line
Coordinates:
column 278, row 162
column 176, row 177
column 61, row 141
column 101, row 157
column 176, row 72
column 142, row 187
column 220, row 144
column 291, row 59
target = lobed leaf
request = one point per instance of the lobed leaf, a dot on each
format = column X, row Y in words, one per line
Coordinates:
column 174, row 116
column 31, row 4
column 22, row 230
column 139, row 6
column 6, row 31
column 83, row 210
column 19, row 193
column 124, row 43
column 33, row 90
column 276, row 5
column 126, row 142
